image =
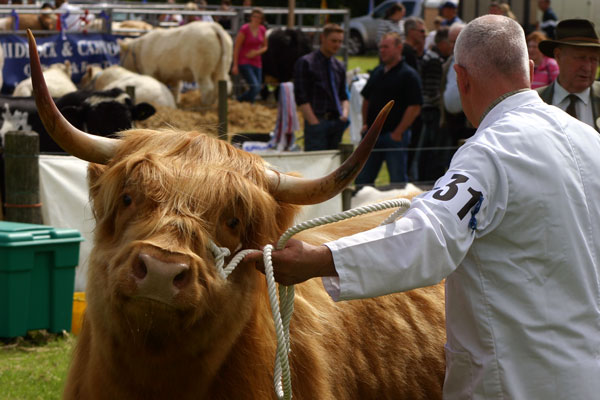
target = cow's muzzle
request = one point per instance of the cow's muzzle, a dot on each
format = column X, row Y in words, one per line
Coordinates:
column 160, row 280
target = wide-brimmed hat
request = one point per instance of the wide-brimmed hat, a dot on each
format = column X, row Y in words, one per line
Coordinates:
column 572, row 32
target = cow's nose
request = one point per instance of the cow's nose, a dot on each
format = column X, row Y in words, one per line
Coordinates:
column 160, row 280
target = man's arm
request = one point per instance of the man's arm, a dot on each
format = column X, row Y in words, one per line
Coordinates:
column 365, row 108
column 451, row 95
column 407, row 119
column 345, row 110
column 301, row 91
column 309, row 115
column 298, row 262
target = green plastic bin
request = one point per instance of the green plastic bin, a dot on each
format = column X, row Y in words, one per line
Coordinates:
column 37, row 275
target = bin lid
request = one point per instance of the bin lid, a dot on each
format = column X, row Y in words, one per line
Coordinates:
column 17, row 233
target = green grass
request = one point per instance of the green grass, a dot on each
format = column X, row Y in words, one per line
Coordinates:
column 34, row 372
column 364, row 62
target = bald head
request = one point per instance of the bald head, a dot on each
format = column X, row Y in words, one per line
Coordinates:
column 493, row 45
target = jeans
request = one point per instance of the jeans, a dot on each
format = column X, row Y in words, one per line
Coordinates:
column 326, row 135
column 253, row 76
column 396, row 160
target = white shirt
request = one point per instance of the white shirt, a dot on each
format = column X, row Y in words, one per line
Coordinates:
column 74, row 21
column 584, row 110
column 522, row 289
column 430, row 40
column 451, row 94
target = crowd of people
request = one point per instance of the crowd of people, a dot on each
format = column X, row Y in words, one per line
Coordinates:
column 427, row 122
column 416, row 70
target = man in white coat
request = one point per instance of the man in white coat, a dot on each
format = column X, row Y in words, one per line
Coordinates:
column 513, row 226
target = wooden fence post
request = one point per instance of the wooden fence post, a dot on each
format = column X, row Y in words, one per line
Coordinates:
column 346, row 150
column 223, row 110
column 22, row 180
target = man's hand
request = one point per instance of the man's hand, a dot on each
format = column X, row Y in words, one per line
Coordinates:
column 397, row 136
column 297, row 262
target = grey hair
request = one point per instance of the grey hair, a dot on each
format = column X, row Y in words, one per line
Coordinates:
column 412, row 22
column 456, row 26
column 493, row 44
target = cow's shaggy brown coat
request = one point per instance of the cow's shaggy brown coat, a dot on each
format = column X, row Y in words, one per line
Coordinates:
column 167, row 193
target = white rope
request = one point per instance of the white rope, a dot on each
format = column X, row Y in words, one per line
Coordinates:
column 285, row 304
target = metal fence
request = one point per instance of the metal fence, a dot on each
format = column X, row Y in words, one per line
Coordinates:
column 309, row 20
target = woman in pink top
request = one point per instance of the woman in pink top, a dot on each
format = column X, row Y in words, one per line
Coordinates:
column 250, row 44
column 546, row 68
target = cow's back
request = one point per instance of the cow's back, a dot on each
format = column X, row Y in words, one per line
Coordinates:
column 389, row 347
column 182, row 53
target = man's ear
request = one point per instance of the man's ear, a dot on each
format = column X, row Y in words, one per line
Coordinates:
column 462, row 79
column 531, row 67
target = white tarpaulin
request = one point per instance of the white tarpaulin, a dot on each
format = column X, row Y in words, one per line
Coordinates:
column 65, row 201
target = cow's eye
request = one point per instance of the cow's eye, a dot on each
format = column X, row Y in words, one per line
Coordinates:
column 233, row 222
column 127, row 200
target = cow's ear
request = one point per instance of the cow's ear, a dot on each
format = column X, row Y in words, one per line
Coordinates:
column 95, row 171
column 142, row 111
column 74, row 114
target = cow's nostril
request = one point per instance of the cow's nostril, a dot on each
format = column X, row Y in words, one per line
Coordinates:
column 181, row 279
column 139, row 270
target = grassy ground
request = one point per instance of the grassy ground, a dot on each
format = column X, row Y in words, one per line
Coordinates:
column 34, row 369
column 364, row 62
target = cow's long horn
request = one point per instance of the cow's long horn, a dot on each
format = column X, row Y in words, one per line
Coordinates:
column 96, row 149
column 296, row 190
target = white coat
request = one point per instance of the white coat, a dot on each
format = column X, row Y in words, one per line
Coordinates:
column 522, row 287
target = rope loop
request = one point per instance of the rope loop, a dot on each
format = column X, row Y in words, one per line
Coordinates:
column 282, row 301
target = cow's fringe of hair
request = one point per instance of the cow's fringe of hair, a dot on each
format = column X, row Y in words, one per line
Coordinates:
column 196, row 177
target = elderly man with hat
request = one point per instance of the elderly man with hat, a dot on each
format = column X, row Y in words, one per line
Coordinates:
column 577, row 52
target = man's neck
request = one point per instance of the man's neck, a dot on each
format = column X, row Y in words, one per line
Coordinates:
column 326, row 55
column 390, row 65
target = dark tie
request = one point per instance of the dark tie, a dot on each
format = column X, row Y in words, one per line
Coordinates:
column 571, row 110
column 334, row 92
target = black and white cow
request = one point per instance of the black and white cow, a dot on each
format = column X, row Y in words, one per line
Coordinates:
column 99, row 112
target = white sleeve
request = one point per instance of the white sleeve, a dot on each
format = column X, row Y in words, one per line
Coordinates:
column 430, row 241
column 451, row 95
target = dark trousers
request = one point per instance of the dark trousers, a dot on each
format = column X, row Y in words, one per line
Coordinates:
column 429, row 165
column 326, row 135
column 395, row 159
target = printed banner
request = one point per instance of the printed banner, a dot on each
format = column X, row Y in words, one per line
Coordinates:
column 80, row 49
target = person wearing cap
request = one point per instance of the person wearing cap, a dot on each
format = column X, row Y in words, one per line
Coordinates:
column 577, row 52
column 513, row 227
column 448, row 11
